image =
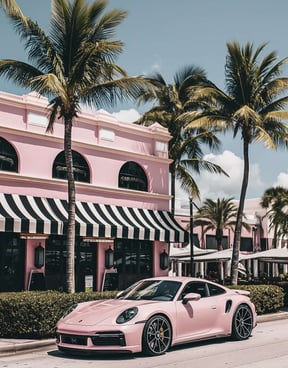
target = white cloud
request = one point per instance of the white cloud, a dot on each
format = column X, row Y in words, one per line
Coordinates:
column 124, row 116
column 219, row 186
column 282, row 180
column 127, row 116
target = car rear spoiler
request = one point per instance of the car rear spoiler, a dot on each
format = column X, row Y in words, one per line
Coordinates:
column 242, row 292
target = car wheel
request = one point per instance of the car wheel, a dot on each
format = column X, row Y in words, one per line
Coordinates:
column 242, row 323
column 157, row 335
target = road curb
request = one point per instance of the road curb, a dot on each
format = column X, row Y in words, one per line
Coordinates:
column 13, row 346
column 272, row 317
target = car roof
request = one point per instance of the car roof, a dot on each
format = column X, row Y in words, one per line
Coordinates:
column 177, row 278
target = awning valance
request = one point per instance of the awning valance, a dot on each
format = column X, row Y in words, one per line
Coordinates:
column 29, row 214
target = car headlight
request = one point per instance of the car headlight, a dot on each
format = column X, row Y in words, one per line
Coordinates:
column 69, row 310
column 127, row 315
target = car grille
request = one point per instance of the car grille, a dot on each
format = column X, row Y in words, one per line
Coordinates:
column 108, row 339
column 74, row 339
column 99, row 339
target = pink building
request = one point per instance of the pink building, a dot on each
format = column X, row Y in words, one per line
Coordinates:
column 122, row 191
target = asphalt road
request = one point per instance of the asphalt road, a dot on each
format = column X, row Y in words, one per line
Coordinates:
column 265, row 349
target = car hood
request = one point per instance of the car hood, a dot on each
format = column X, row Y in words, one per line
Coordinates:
column 100, row 311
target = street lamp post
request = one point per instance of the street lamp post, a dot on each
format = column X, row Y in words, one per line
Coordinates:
column 191, row 238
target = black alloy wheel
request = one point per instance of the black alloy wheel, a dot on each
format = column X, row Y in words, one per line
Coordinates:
column 157, row 335
column 242, row 324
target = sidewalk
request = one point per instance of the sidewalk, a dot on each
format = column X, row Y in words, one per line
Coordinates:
column 13, row 346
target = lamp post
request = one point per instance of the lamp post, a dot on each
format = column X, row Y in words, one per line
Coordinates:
column 191, row 238
column 191, row 235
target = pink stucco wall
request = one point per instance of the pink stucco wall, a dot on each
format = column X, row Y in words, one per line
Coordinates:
column 23, row 122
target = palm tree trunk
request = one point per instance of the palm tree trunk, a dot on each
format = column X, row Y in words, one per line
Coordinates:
column 275, row 236
column 173, row 184
column 70, row 273
column 219, row 238
column 238, row 227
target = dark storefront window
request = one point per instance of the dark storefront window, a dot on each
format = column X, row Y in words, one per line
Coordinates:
column 12, row 250
column 55, row 264
column 132, row 176
column 133, row 261
column 264, row 243
column 246, row 245
column 80, row 167
column 85, row 265
column 211, row 242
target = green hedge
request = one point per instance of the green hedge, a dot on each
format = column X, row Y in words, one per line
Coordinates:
column 34, row 314
column 284, row 286
column 266, row 298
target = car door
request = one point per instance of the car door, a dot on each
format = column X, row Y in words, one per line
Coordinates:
column 196, row 318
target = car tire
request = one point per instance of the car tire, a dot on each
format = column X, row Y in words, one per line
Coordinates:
column 157, row 335
column 242, row 323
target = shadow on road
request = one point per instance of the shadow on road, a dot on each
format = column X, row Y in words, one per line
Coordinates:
column 108, row 356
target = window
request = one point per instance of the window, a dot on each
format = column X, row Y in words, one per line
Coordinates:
column 80, row 167
column 56, row 258
column 203, row 288
column 8, row 156
column 132, row 176
column 12, row 256
column 246, row 245
column 211, row 242
column 215, row 290
column 133, row 260
column 195, row 287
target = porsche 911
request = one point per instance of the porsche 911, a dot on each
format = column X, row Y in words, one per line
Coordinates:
column 155, row 314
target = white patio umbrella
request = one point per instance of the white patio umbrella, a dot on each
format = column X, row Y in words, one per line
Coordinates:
column 179, row 253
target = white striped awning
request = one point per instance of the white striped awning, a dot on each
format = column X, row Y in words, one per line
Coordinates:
column 37, row 215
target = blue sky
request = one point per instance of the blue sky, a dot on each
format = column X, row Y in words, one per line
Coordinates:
column 166, row 35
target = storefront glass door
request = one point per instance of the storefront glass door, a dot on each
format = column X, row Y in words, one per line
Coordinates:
column 12, row 251
column 55, row 264
column 133, row 261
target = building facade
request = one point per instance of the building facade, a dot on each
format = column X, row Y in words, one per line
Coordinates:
column 123, row 224
column 257, row 254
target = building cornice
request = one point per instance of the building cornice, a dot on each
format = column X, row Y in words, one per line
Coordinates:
column 99, row 118
column 87, row 186
column 75, row 143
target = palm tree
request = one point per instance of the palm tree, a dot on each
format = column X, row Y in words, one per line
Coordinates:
column 217, row 215
column 275, row 199
column 252, row 107
column 73, row 64
column 185, row 147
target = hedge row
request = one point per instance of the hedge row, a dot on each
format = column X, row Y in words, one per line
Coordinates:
column 34, row 314
column 266, row 298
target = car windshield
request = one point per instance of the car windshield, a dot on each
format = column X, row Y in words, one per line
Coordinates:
column 151, row 290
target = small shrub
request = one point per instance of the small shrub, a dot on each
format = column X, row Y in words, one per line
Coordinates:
column 266, row 298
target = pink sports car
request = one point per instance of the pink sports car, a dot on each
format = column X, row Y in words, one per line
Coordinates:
column 156, row 313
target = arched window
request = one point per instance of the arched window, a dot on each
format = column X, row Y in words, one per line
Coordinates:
column 8, row 156
column 132, row 176
column 80, row 167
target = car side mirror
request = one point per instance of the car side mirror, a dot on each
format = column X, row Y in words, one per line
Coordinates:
column 190, row 296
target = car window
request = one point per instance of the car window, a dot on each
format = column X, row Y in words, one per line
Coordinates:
column 215, row 290
column 198, row 287
column 152, row 290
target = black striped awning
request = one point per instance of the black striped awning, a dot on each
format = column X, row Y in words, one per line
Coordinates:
column 37, row 215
